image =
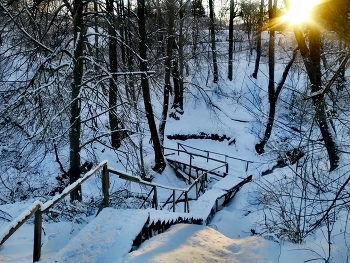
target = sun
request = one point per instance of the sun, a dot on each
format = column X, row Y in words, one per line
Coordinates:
column 299, row 11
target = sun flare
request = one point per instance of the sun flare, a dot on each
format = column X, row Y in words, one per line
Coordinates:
column 299, row 11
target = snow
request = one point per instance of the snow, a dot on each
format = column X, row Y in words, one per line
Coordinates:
column 168, row 216
column 228, row 182
column 72, row 186
column 107, row 237
column 205, row 203
column 193, row 243
column 4, row 231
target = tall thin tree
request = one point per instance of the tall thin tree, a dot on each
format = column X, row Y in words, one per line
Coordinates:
column 75, row 110
column 213, row 41
column 158, row 152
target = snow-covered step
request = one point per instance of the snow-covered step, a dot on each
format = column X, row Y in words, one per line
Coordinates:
column 201, row 208
column 164, row 216
column 228, row 182
column 107, row 238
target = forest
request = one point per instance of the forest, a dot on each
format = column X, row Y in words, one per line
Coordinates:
column 86, row 80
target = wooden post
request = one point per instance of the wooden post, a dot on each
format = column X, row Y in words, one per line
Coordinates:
column 174, row 200
column 226, row 167
column 207, row 156
column 105, row 185
column 37, row 236
column 189, row 173
column 155, row 198
column 197, row 190
column 178, row 149
column 246, row 166
column 186, row 203
column 216, row 205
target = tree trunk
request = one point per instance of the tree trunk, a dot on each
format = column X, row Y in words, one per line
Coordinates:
column 129, row 41
column 271, row 86
column 213, row 43
column 258, row 40
column 179, row 67
column 312, row 61
column 178, row 90
column 158, row 153
column 230, row 40
column 273, row 102
column 115, row 125
column 74, row 133
column 318, row 101
column 170, row 5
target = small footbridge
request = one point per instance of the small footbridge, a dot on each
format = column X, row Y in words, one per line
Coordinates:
column 121, row 231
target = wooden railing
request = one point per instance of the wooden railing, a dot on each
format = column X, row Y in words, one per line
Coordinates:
column 191, row 157
column 198, row 184
column 39, row 208
column 184, row 147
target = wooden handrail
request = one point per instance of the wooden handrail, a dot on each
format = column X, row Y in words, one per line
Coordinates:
column 19, row 221
column 195, row 154
column 38, row 208
column 225, row 155
column 71, row 187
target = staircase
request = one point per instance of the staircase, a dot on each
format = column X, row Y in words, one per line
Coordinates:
column 116, row 232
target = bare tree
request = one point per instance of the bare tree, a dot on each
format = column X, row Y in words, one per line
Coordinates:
column 158, row 153
column 170, row 6
column 312, row 61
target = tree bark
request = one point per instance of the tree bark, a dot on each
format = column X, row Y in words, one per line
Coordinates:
column 74, row 133
column 158, row 153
